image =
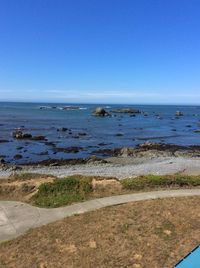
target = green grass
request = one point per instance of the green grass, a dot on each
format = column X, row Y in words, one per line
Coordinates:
column 70, row 190
column 62, row 192
column 155, row 181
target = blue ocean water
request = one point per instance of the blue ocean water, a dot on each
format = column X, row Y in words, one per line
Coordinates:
column 157, row 123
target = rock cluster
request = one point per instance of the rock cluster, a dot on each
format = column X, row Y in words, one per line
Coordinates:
column 19, row 134
column 178, row 113
column 126, row 110
column 99, row 111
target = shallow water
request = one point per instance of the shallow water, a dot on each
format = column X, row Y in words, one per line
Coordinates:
column 160, row 125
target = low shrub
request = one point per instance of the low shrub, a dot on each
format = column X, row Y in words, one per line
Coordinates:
column 155, row 181
column 62, row 192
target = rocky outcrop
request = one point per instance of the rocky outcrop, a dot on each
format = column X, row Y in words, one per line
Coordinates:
column 39, row 138
column 72, row 149
column 178, row 113
column 20, row 135
column 126, row 110
column 99, row 111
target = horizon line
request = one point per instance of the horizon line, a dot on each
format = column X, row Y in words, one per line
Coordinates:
column 100, row 103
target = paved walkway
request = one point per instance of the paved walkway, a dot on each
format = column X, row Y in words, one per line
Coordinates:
column 16, row 217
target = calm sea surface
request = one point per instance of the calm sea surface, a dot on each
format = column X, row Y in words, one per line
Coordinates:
column 159, row 125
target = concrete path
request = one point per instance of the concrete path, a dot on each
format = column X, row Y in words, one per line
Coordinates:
column 16, row 217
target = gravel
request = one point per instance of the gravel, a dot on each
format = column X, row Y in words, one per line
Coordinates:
column 120, row 168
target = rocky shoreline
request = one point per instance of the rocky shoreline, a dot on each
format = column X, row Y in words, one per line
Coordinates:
column 66, row 144
column 145, row 153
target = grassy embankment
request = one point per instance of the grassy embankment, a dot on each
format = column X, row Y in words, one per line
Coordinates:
column 48, row 191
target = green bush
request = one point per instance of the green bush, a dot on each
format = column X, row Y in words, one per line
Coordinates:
column 62, row 192
column 155, row 181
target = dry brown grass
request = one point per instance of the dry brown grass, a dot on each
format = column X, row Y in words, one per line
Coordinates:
column 149, row 234
column 22, row 187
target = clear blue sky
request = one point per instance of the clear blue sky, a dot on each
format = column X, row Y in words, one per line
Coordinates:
column 106, row 51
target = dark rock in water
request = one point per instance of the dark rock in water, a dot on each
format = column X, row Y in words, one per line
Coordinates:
column 173, row 129
column 50, row 143
column 178, row 113
column 17, row 157
column 2, row 161
column 19, row 147
column 82, row 134
column 43, row 153
column 126, row 110
column 62, row 129
column 72, row 149
column 99, row 111
column 20, row 135
column 119, row 135
column 4, row 141
column 39, row 138
column 188, row 126
column 75, row 137
column 197, row 131
column 103, row 144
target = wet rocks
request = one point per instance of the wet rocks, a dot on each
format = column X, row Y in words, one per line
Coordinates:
column 38, row 138
column 73, row 161
column 4, row 141
column 63, row 129
column 72, row 149
column 2, row 161
column 99, row 111
column 119, row 135
column 20, row 135
column 17, row 157
column 148, row 145
column 50, row 143
column 43, row 153
column 197, row 131
column 178, row 113
column 82, row 134
column 126, row 110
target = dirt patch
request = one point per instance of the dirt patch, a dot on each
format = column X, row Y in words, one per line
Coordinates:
column 106, row 187
column 154, row 233
column 22, row 188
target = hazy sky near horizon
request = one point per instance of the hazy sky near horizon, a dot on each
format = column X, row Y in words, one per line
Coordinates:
column 101, row 51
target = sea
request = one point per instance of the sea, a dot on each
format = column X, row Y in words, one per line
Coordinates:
column 91, row 134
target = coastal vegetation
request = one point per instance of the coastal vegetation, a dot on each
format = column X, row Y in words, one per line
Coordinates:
column 48, row 191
